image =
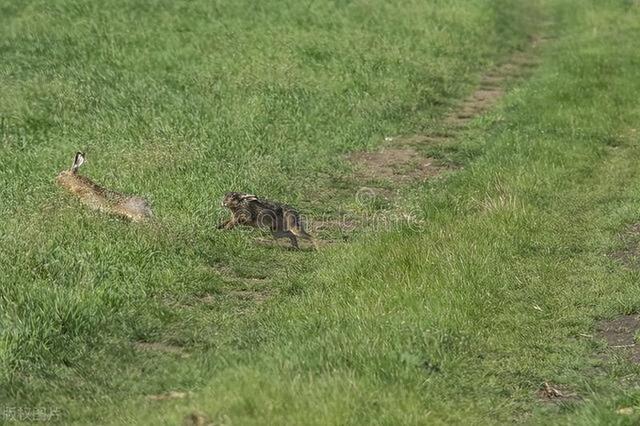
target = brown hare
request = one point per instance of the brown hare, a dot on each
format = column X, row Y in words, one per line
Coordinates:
column 280, row 219
column 96, row 197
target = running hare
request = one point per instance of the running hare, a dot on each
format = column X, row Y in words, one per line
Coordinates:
column 282, row 220
column 102, row 199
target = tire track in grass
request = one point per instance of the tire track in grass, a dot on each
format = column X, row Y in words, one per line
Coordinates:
column 400, row 162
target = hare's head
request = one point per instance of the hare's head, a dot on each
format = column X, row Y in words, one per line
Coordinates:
column 232, row 200
column 78, row 160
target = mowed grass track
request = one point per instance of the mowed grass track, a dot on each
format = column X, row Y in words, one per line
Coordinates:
column 459, row 319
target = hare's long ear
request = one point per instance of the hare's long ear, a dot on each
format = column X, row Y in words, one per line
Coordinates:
column 77, row 162
column 248, row 197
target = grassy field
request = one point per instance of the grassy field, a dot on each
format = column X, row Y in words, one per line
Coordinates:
column 494, row 288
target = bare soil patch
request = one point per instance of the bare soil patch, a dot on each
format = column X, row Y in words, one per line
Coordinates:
column 480, row 101
column 619, row 333
column 395, row 164
column 629, row 254
column 491, row 88
column 551, row 393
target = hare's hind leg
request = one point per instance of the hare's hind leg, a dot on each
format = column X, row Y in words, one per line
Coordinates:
column 294, row 241
column 301, row 233
column 288, row 234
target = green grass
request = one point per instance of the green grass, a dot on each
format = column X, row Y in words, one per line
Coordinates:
column 459, row 317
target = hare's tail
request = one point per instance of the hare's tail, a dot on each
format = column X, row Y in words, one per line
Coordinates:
column 134, row 208
column 139, row 206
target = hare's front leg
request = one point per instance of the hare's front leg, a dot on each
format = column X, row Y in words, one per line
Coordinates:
column 228, row 224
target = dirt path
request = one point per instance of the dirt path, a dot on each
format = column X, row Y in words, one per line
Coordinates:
column 399, row 161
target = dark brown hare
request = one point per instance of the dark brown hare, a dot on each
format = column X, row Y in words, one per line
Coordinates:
column 280, row 219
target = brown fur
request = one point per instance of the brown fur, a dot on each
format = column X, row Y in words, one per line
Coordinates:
column 96, row 197
column 280, row 219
